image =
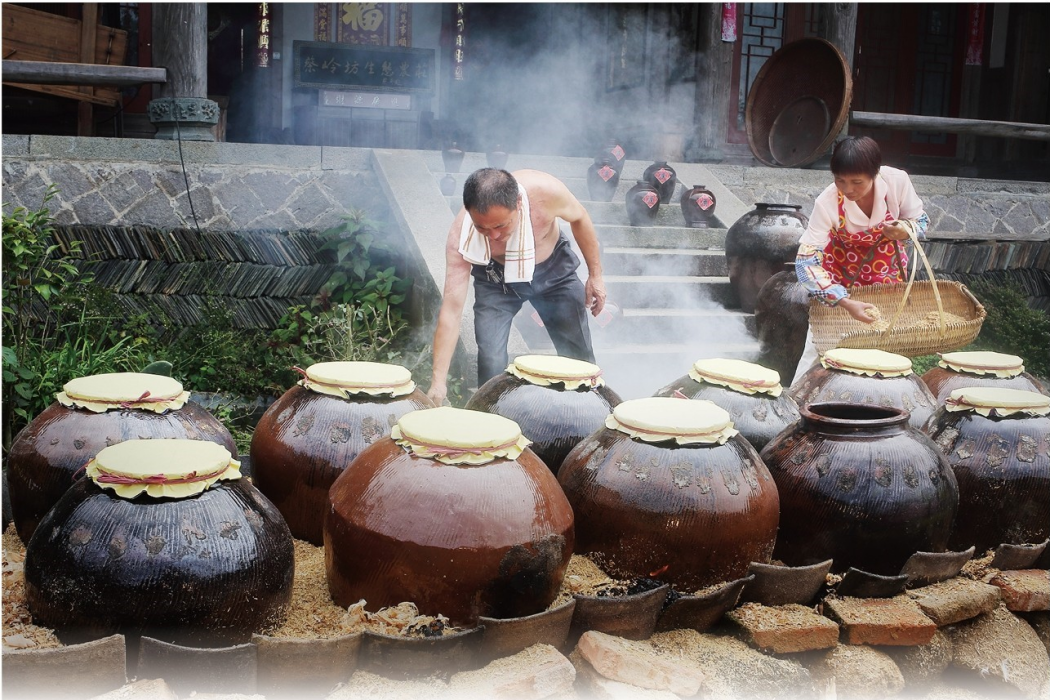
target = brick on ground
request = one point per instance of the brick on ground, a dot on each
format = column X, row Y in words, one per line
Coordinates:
column 635, row 663
column 881, row 621
column 595, row 686
column 859, row 672
column 1040, row 622
column 154, row 689
column 783, row 629
column 1025, row 590
column 1002, row 649
column 955, row 600
column 921, row 665
column 538, row 672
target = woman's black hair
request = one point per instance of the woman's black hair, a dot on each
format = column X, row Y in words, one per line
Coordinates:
column 856, row 155
column 488, row 187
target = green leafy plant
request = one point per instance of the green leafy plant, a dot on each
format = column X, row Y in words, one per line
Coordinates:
column 1012, row 326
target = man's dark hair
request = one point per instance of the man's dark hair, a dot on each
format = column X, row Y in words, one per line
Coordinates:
column 856, row 155
column 490, row 187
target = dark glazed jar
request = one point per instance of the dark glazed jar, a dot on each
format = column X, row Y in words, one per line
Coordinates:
column 957, row 370
column 669, row 490
column 602, row 180
column 750, row 393
column 860, row 486
column 758, row 245
column 643, row 204
column 781, row 322
column 165, row 539
column 698, row 207
column 309, row 435
column 92, row 413
column 448, row 185
column 614, row 153
column 556, row 401
column 452, row 158
column 663, row 178
column 497, row 158
column 874, row 377
column 996, row 441
column 453, row 513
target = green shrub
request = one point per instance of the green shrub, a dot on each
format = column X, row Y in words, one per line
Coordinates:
column 1012, row 326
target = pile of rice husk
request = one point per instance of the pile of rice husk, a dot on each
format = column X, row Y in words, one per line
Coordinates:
column 586, row 577
column 313, row 615
column 979, row 568
column 931, row 320
column 19, row 632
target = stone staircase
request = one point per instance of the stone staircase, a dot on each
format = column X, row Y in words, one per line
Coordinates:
column 668, row 282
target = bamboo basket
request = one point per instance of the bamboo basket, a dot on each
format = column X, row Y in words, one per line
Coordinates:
column 910, row 331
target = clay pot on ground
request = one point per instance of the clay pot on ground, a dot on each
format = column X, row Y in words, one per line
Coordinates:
column 602, row 180
column 859, row 486
column 452, row 158
column 757, row 246
column 662, row 177
column 873, row 377
column 757, row 404
column 497, row 158
column 164, row 539
column 668, row 490
column 452, row 512
column 995, row 440
column 643, row 204
column 307, row 438
column 91, row 413
column 557, row 402
column 957, row 370
column 781, row 323
column 614, row 153
column 698, row 207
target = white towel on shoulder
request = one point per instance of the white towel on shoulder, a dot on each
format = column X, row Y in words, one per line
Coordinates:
column 521, row 248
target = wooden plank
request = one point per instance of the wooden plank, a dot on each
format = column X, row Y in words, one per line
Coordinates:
column 44, row 73
column 982, row 127
column 85, row 110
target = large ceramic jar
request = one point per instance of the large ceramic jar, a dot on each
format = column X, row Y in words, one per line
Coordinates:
column 452, row 158
column 309, row 435
column 602, row 180
column 453, row 513
column 557, row 402
column 163, row 538
column 89, row 414
column 781, row 322
column 663, row 177
column 860, row 486
column 670, row 490
column 876, row 377
column 698, row 207
column 757, row 404
column 643, row 204
column 757, row 246
column 614, row 153
column 957, row 370
column 497, row 158
column 996, row 441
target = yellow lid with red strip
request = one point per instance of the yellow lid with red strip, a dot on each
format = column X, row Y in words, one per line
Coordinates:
column 867, row 362
column 660, row 418
column 123, row 390
column 459, row 436
column 745, row 377
column 544, row 370
column 163, row 467
column 989, row 401
column 983, row 362
column 344, row 379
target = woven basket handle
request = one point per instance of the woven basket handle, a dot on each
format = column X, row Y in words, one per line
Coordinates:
column 911, row 280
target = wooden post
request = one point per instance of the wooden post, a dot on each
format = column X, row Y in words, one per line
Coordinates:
column 85, row 110
column 837, row 23
column 180, row 44
column 714, row 71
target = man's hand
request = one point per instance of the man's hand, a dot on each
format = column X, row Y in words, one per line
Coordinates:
column 438, row 393
column 595, row 295
column 856, row 309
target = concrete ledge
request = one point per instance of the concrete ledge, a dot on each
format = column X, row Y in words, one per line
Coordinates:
column 15, row 145
column 357, row 159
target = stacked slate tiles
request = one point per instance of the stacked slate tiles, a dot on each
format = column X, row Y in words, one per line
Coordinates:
column 1026, row 263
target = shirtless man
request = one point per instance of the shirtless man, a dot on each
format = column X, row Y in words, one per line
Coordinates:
column 497, row 203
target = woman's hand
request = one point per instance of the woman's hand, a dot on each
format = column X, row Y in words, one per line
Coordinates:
column 856, row 309
column 895, row 231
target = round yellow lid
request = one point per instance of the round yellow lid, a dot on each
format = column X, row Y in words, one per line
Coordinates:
column 867, row 362
column 745, row 377
column 168, row 467
column 983, row 362
column 115, row 390
column 344, row 378
column 545, row 370
column 458, row 436
column 987, row 400
column 660, row 418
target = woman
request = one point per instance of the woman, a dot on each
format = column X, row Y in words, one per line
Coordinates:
column 853, row 232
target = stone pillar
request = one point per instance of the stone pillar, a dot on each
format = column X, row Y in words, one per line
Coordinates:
column 714, row 71
column 180, row 44
column 837, row 23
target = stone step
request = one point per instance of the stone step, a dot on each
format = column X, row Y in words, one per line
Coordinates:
column 636, row 371
column 577, row 185
column 622, row 236
column 664, row 261
column 561, row 167
column 668, row 291
column 656, row 326
column 614, row 212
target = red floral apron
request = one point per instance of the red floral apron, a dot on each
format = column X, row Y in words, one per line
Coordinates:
column 863, row 258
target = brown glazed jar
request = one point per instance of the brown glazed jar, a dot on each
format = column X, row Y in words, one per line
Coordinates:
column 698, row 207
column 757, row 404
column 997, row 443
column 452, row 158
column 643, row 204
column 662, row 177
column 860, row 486
column 875, row 377
column 556, row 401
column 669, row 490
column 164, row 539
column 614, row 152
column 757, row 246
column 91, row 413
column 309, row 435
column 453, row 513
column 782, row 321
column 957, row 370
column 602, row 180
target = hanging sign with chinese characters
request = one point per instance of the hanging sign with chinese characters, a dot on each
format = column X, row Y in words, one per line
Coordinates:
column 363, row 23
column 379, row 68
column 459, row 41
column 263, row 49
column 364, row 100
